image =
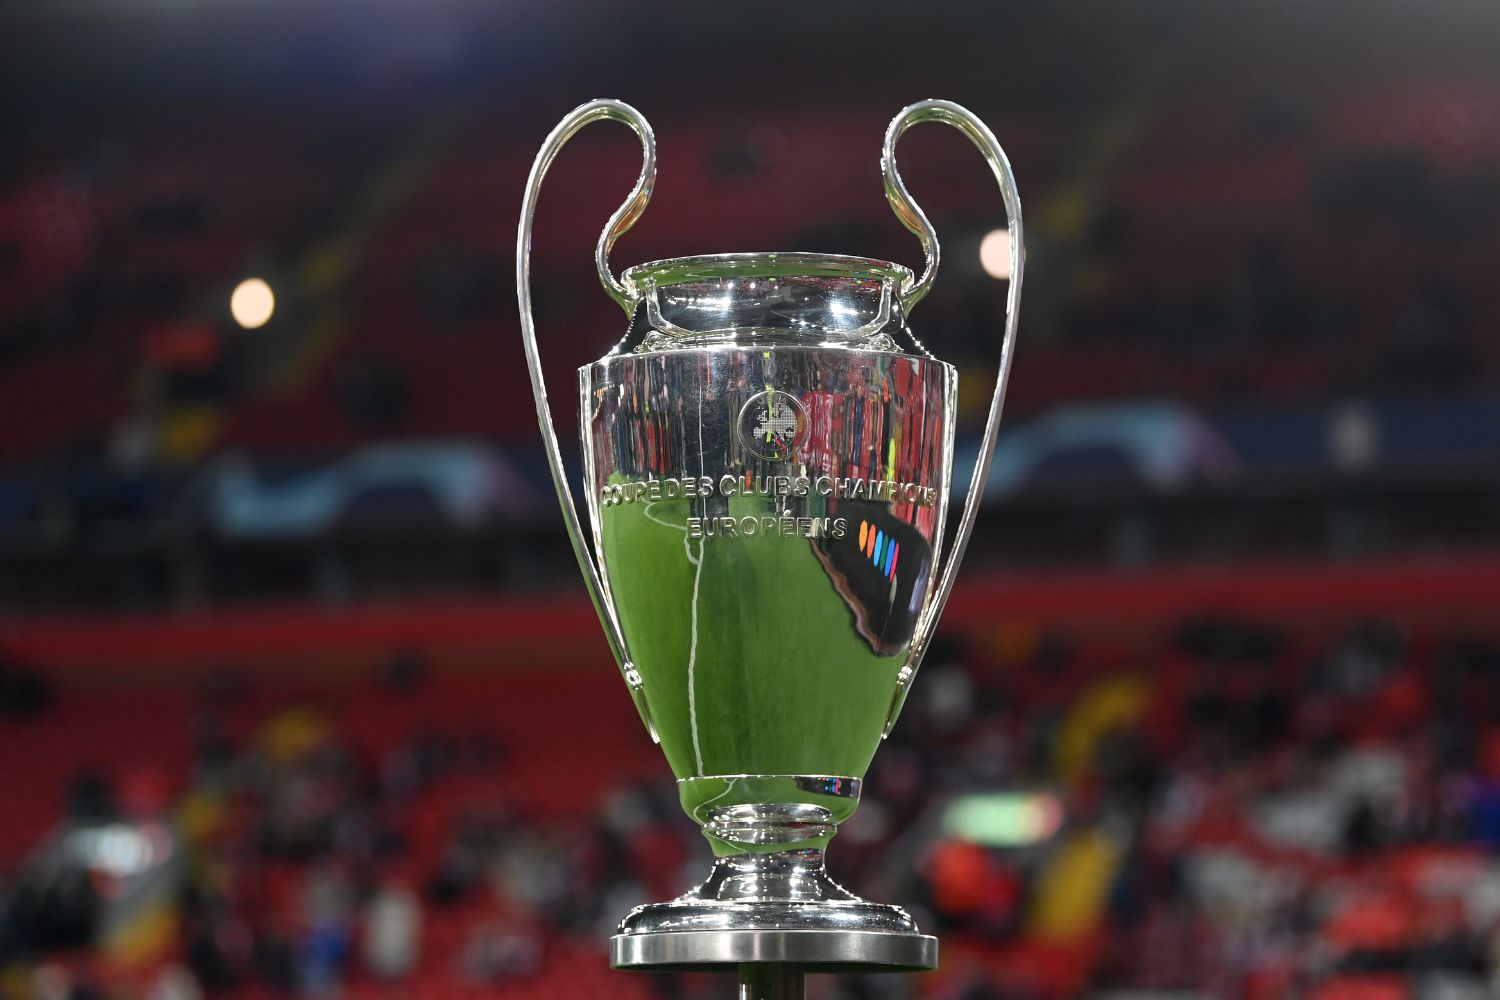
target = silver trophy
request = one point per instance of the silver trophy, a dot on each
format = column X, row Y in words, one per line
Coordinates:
column 767, row 459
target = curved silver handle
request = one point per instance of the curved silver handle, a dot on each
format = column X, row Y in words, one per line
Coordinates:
column 912, row 216
column 622, row 220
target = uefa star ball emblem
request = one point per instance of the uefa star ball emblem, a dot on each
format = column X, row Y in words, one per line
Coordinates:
column 772, row 425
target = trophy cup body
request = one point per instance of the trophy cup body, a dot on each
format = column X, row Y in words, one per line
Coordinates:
column 767, row 471
column 767, row 459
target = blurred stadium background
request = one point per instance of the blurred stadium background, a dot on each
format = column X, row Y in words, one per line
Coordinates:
column 299, row 693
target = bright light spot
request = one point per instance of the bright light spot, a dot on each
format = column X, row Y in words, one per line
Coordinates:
column 994, row 254
column 118, row 849
column 1004, row 819
column 252, row 303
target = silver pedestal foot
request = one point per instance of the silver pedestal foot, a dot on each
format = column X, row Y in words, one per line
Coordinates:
column 824, row 950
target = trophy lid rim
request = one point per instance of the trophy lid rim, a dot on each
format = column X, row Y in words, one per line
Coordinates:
column 767, row 264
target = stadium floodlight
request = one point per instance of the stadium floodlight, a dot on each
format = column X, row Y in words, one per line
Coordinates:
column 252, row 304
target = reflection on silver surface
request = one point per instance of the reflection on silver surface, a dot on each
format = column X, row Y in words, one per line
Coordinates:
column 868, row 442
column 789, row 890
column 752, row 299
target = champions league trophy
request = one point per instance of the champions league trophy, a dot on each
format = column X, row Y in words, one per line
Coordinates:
column 767, row 463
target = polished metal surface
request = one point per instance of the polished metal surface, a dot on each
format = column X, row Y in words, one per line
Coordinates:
column 785, row 889
column 759, row 507
column 817, row 951
column 699, row 301
column 767, row 457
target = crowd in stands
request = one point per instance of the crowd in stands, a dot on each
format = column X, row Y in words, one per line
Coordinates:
column 1241, row 812
column 1257, row 247
column 1254, row 256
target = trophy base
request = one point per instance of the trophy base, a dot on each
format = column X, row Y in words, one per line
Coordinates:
column 809, row 950
column 779, row 907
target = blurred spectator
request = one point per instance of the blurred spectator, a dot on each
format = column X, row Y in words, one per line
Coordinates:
column 502, row 949
column 91, row 800
column 392, row 938
column 23, row 692
column 328, row 908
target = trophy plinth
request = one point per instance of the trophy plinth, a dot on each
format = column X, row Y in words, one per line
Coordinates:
column 767, row 458
column 768, row 898
column 774, row 908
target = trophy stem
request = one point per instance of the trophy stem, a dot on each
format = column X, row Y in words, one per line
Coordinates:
column 772, row 981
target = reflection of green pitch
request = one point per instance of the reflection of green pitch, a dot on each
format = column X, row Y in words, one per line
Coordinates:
column 776, row 681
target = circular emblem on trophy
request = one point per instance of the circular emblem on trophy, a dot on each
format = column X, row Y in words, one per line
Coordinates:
column 773, row 425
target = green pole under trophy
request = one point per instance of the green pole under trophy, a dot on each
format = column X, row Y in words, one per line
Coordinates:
column 767, row 461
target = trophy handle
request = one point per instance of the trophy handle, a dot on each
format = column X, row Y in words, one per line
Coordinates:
column 625, row 217
column 914, row 219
